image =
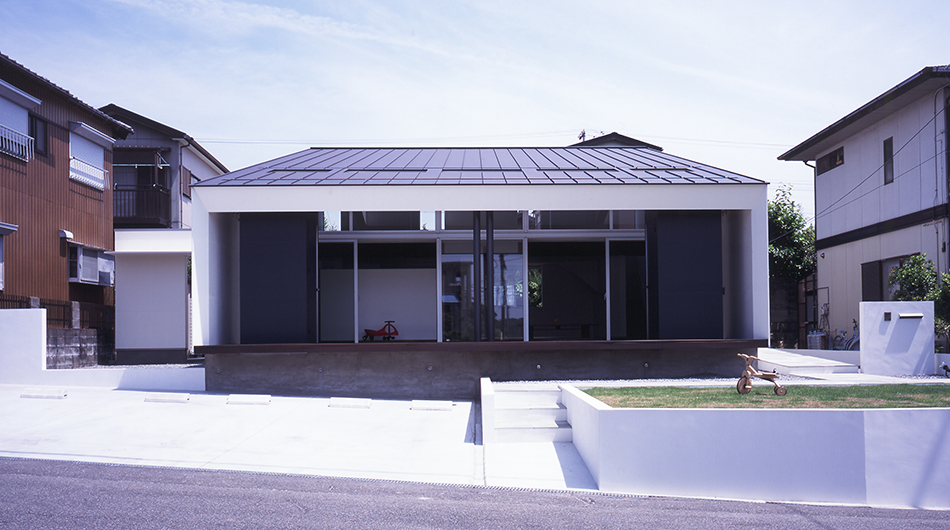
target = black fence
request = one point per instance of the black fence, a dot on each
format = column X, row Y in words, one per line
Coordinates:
column 59, row 314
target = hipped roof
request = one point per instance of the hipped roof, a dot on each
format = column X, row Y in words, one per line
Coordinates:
column 367, row 166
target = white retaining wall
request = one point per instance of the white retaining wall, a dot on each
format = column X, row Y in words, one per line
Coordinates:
column 23, row 362
column 876, row 457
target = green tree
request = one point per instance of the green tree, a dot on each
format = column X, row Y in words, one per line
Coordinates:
column 916, row 279
column 791, row 239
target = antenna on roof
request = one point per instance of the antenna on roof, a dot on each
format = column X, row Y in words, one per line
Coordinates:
column 582, row 135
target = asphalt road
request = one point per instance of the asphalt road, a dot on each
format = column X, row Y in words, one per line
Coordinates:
column 49, row 494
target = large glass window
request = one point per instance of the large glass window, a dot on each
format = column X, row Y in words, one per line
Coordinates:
column 458, row 291
column 398, row 282
column 567, row 288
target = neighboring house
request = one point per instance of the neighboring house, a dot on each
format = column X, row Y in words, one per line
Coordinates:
column 881, row 193
column 592, row 262
column 155, row 168
column 55, row 199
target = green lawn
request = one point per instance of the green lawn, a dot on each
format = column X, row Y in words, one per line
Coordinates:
column 762, row 396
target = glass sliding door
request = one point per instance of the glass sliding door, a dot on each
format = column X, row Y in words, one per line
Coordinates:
column 567, row 290
column 459, row 296
column 628, row 296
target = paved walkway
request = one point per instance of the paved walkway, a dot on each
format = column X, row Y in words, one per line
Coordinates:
column 422, row 441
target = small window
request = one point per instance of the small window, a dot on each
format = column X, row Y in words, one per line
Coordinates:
column 568, row 220
column 86, row 162
column 39, row 134
column 186, row 182
column 889, row 160
column 830, row 161
column 385, row 221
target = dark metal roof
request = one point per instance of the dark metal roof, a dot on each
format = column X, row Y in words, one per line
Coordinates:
column 126, row 115
column 481, row 165
column 922, row 83
column 120, row 130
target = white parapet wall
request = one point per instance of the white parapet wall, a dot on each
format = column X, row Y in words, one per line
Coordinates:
column 897, row 338
column 488, row 411
column 875, row 457
column 23, row 362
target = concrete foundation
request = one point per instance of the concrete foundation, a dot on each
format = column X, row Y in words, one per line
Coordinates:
column 407, row 370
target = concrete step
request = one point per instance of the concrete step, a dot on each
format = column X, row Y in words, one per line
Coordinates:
column 806, row 366
column 510, row 399
column 555, row 412
column 528, row 432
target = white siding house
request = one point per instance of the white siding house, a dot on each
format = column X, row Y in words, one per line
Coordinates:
column 881, row 192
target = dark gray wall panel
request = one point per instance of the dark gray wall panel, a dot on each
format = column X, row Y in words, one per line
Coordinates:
column 277, row 279
column 687, row 274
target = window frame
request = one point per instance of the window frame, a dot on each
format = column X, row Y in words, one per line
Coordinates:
column 829, row 161
column 888, row 166
column 40, row 147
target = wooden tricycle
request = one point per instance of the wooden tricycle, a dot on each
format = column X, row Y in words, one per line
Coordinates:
column 387, row 332
column 744, row 386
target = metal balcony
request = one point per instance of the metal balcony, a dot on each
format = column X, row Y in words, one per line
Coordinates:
column 141, row 207
column 16, row 144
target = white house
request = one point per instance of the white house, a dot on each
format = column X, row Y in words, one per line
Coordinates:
column 881, row 191
column 512, row 263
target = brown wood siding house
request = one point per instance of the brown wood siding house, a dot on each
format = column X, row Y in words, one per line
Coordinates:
column 46, row 204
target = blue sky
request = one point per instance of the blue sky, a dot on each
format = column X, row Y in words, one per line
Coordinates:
column 732, row 84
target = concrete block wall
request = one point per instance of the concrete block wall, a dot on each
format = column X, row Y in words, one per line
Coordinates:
column 78, row 348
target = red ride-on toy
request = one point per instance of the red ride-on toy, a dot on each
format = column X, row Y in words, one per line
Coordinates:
column 387, row 332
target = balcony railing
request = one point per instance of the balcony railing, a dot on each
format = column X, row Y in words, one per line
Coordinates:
column 141, row 207
column 87, row 173
column 16, row 144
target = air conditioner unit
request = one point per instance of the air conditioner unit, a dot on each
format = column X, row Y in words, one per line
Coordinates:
column 92, row 266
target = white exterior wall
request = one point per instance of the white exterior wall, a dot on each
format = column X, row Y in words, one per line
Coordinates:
column 920, row 183
column 151, row 290
column 839, row 270
column 201, row 169
column 151, row 301
column 919, row 174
